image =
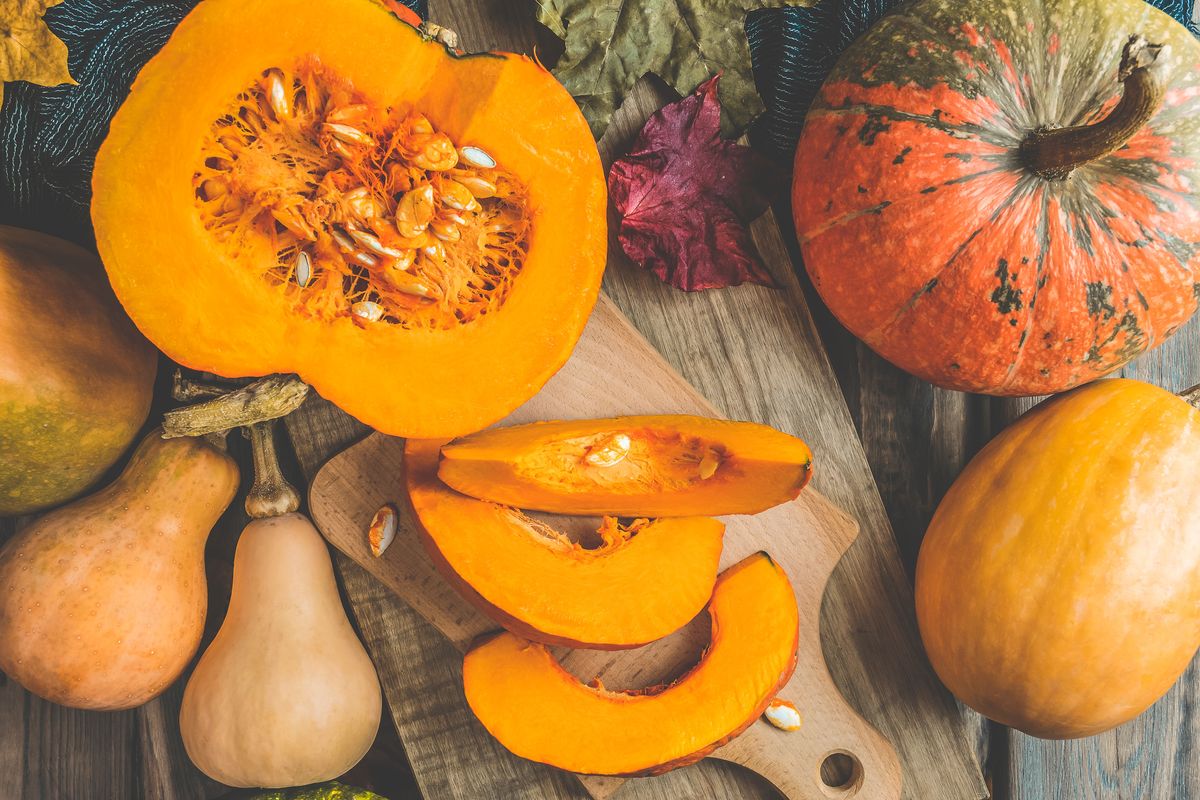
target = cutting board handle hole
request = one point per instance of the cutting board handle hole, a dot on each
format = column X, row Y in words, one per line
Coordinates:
column 841, row 774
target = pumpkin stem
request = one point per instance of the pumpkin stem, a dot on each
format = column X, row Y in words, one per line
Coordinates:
column 1192, row 395
column 1053, row 154
column 270, row 495
column 269, row 398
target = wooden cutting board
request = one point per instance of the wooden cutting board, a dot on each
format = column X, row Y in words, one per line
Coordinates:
column 756, row 354
column 614, row 371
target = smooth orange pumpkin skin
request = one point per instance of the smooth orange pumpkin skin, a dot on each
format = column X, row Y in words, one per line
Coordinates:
column 538, row 585
column 1058, row 586
column 541, row 712
column 76, row 378
column 211, row 311
column 543, row 466
column 928, row 238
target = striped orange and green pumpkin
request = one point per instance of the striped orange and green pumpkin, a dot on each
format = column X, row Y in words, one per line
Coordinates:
column 986, row 198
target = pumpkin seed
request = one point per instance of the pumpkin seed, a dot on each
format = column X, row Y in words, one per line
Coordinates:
column 343, row 114
column 479, row 188
column 415, row 210
column 610, row 451
column 404, row 260
column 436, row 154
column 383, row 529
column 344, row 241
column 348, row 134
column 373, row 244
column 445, row 230
column 709, row 464
column 457, row 196
column 277, row 95
column 213, row 188
column 476, row 157
column 419, row 125
column 410, row 285
column 366, row 259
column 368, row 310
column 783, row 715
column 302, row 268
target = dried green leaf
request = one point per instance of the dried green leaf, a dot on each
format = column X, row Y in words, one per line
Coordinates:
column 610, row 44
column 29, row 50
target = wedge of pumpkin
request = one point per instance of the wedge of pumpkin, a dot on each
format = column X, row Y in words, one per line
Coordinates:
column 644, row 580
column 655, row 466
column 541, row 712
column 420, row 235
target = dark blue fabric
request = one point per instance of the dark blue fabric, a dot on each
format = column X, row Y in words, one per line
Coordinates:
column 49, row 135
column 792, row 49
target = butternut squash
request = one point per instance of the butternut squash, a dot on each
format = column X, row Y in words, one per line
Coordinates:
column 102, row 602
column 653, row 466
column 285, row 695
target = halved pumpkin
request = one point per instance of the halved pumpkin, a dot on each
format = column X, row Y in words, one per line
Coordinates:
column 316, row 188
column 540, row 711
column 644, row 580
column 655, row 466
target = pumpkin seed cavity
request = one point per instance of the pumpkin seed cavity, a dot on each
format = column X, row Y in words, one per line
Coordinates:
column 373, row 214
column 665, row 460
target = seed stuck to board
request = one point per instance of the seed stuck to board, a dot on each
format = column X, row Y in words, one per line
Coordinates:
column 783, row 715
column 348, row 193
column 383, row 529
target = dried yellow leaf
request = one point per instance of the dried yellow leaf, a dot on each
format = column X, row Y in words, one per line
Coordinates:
column 29, row 50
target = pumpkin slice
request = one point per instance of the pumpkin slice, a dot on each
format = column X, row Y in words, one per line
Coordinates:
column 540, row 711
column 655, row 466
column 643, row 582
column 420, row 235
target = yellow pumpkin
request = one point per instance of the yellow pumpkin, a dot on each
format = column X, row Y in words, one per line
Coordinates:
column 1058, row 586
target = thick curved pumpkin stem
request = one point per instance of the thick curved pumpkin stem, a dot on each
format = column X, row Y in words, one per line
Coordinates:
column 1053, row 154
column 269, row 398
column 270, row 495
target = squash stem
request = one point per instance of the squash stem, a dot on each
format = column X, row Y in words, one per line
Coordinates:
column 1192, row 395
column 270, row 495
column 269, row 398
column 1054, row 153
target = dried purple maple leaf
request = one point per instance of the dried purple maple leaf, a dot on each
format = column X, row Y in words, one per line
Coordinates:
column 684, row 196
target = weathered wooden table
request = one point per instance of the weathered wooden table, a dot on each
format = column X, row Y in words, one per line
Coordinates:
column 916, row 439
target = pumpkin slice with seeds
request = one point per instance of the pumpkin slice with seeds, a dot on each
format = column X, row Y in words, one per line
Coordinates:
column 420, row 235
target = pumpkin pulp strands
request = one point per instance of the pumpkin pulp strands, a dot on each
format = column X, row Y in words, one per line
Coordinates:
column 374, row 214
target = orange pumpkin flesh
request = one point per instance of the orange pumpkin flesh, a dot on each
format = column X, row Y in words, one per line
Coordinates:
column 419, row 235
column 540, row 711
column 657, row 466
column 1058, row 586
column 643, row 582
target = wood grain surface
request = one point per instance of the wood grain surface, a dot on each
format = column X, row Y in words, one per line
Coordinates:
column 615, row 372
column 916, row 439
